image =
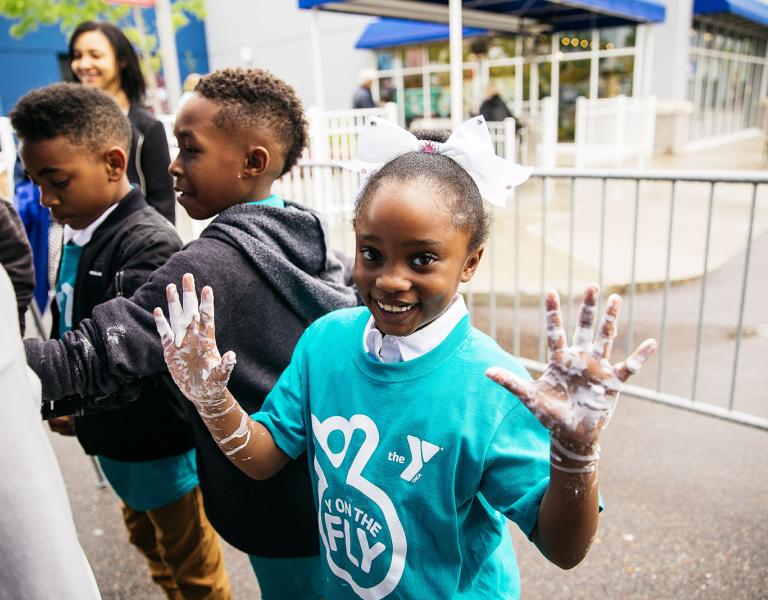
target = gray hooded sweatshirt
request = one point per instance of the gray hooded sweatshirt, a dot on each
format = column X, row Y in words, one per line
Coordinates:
column 272, row 273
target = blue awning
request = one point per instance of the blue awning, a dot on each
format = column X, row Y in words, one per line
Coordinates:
column 753, row 11
column 559, row 15
column 396, row 32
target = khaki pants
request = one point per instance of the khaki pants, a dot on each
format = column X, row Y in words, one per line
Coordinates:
column 182, row 549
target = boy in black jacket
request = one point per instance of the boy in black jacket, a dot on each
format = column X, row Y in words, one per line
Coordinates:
column 238, row 132
column 74, row 145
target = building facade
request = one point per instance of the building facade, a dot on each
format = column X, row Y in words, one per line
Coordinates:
column 706, row 63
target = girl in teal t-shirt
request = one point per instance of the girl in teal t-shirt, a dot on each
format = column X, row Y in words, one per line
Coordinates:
column 417, row 454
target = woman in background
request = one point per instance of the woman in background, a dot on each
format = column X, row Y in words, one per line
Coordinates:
column 102, row 57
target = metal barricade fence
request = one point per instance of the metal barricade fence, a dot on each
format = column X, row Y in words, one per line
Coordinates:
column 673, row 243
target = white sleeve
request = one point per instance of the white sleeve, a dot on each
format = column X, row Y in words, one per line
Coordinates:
column 42, row 557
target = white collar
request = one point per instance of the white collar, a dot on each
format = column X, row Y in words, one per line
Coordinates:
column 82, row 236
column 419, row 342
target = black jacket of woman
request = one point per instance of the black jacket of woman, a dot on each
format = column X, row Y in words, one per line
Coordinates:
column 149, row 160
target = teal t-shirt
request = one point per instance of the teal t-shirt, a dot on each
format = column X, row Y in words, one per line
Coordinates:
column 414, row 464
column 141, row 485
column 153, row 483
column 65, row 284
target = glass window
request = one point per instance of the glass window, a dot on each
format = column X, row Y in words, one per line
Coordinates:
column 440, row 90
column 575, row 41
column 504, row 80
column 719, row 43
column 413, row 56
column 693, row 65
column 754, row 109
column 471, row 104
column 526, row 82
column 537, row 44
column 386, row 59
column 468, row 50
column 615, row 77
column 387, row 90
column 545, row 80
column 694, row 37
column 574, row 82
column 707, row 37
column 502, row 47
column 617, row 37
column 439, row 54
column 414, row 97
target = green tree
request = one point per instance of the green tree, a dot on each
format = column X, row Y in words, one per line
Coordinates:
column 28, row 15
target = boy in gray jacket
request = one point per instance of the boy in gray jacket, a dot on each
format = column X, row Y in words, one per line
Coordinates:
column 241, row 130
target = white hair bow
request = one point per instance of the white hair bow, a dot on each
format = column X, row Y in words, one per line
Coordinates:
column 469, row 145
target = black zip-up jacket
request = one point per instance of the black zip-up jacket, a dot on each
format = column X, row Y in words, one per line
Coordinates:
column 149, row 160
column 125, row 249
column 272, row 274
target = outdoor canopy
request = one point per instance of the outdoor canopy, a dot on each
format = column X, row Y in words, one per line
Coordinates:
column 556, row 15
column 385, row 33
column 754, row 11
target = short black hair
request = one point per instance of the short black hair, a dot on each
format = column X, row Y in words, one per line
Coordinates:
column 131, row 78
column 457, row 190
column 85, row 116
column 256, row 99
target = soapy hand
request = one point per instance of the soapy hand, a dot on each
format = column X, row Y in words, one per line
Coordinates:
column 575, row 396
column 189, row 346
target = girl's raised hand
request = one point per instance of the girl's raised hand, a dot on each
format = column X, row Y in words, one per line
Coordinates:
column 576, row 394
column 189, row 346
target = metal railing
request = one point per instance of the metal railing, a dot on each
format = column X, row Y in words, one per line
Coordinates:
column 665, row 239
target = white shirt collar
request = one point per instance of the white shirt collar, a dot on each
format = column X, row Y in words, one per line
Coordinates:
column 391, row 348
column 82, row 236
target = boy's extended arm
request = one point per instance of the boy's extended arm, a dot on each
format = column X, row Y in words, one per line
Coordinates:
column 118, row 343
column 574, row 399
column 202, row 374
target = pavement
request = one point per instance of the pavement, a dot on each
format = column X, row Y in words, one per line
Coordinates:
column 685, row 494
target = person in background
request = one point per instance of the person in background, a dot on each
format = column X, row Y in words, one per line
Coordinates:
column 363, row 98
column 102, row 57
column 16, row 257
column 190, row 81
column 493, row 107
column 36, row 527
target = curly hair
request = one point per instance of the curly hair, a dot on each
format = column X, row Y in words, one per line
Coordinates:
column 256, row 99
column 451, row 184
column 86, row 117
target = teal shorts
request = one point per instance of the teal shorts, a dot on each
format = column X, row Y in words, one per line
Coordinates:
column 299, row 578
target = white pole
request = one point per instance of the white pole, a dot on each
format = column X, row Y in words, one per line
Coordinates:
column 457, row 79
column 317, row 62
column 170, row 59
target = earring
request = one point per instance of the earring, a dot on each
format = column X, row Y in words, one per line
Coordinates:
column 239, row 176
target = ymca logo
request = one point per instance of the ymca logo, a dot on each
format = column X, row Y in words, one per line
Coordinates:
column 421, row 453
